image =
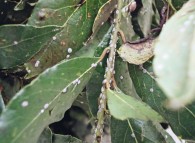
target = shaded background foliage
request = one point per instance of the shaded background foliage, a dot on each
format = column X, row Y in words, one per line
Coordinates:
column 74, row 30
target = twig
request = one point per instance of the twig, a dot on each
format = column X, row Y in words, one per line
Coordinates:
column 108, row 75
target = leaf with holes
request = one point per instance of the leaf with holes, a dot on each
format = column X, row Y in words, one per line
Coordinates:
column 76, row 30
column 123, row 107
column 53, row 92
column 14, row 43
column 174, row 62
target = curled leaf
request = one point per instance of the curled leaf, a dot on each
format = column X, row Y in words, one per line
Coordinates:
column 137, row 53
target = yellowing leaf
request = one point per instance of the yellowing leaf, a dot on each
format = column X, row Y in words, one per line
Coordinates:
column 136, row 53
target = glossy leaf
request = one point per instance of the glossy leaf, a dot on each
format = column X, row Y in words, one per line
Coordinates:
column 174, row 62
column 18, row 43
column 77, row 27
column 181, row 121
column 53, row 92
column 123, row 107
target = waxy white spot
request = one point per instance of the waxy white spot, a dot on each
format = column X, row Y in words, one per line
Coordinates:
column 67, row 56
column 69, row 50
column 54, row 38
column 121, row 77
column 133, row 135
column 104, row 81
column 102, row 89
column 37, row 64
column 24, row 103
column 46, row 106
column 93, row 65
column 78, row 82
column 64, row 90
column 15, row 42
column 151, row 90
column 144, row 71
column 42, row 110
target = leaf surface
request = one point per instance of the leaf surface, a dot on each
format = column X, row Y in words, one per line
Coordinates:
column 18, row 43
column 151, row 94
column 137, row 53
column 174, row 62
column 65, row 139
column 123, row 107
column 103, row 14
column 130, row 131
column 77, row 27
column 46, row 136
column 44, row 101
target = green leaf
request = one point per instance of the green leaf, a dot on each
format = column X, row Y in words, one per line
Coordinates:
column 44, row 101
column 181, row 121
column 20, row 5
column 145, row 16
column 126, row 22
column 83, row 103
column 65, row 139
column 133, row 130
column 97, row 42
column 76, row 30
column 18, row 43
column 93, row 89
column 2, row 105
column 136, row 131
column 10, row 86
column 174, row 62
column 103, row 14
column 52, row 12
column 178, row 3
column 46, row 136
column 123, row 107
